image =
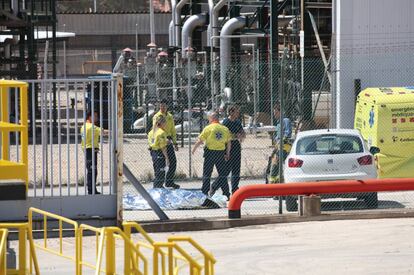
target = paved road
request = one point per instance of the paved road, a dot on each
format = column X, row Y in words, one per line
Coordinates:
column 333, row 247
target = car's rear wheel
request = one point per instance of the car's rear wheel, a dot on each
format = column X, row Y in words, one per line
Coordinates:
column 371, row 200
column 291, row 204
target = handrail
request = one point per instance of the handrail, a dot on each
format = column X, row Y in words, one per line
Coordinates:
column 109, row 235
column 309, row 188
column 24, row 234
column 209, row 259
column 98, row 234
column 3, row 252
column 128, row 226
column 195, row 267
column 61, row 220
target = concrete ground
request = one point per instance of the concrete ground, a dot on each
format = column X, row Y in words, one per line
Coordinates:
column 381, row 246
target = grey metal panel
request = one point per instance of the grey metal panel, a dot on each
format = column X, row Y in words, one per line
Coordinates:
column 374, row 42
column 105, row 24
column 75, row 207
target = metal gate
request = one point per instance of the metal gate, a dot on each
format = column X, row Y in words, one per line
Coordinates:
column 57, row 163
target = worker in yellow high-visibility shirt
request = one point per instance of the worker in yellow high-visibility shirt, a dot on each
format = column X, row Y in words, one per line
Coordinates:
column 217, row 139
column 90, row 147
column 172, row 145
column 158, row 143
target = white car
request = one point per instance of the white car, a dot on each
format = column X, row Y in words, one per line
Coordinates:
column 330, row 154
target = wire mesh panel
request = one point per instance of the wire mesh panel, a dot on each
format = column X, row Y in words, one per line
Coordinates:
column 298, row 109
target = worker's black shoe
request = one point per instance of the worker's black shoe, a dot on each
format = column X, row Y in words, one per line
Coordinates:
column 173, row 186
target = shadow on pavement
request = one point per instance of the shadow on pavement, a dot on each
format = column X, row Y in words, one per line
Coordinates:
column 357, row 205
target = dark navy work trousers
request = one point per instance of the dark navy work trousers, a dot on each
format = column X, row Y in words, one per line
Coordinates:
column 216, row 159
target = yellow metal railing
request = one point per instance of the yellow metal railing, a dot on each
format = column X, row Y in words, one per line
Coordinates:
column 3, row 251
column 209, row 259
column 10, row 169
column 135, row 262
column 194, row 266
column 61, row 220
column 25, row 234
column 108, row 239
column 99, row 233
column 149, row 244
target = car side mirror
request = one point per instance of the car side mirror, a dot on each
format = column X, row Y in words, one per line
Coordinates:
column 374, row 150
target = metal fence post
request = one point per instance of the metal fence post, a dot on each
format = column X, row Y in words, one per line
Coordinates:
column 189, row 95
column 118, row 133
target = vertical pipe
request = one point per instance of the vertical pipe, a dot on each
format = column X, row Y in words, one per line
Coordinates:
column 43, row 136
column 189, row 97
column 274, row 52
column 152, row 23
column 4, row 93
column 76, row 140
column 64, row 54
column 59, row 144
column 110, row 253
column 171, row 260
column 127, row 251
column 281, row 116
column 51, row 99
column 85, row 106
column 93, row 135
column 68, row 151
column 24, row 134
column 22, row 250
column 16, row 121
column 119, row 148
column 255, row 86
column 101, row 139
column 34, row 139
column 110, row 91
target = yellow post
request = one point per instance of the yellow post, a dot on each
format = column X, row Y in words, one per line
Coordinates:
column 78, row 250
column 155, row 261
column 3, row 252
column 22, row 250
column 4, row 117
column 127, row 251
column 110, row 253
column 170, row 261
column 24, row 133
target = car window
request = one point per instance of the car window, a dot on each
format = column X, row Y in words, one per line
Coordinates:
column 329, row 144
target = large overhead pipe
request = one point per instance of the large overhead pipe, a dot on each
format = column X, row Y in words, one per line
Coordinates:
column 225, row 46
column 190, row 24
column 171, row 34
column 213, row 27
column 177, row 18
column 173, row 11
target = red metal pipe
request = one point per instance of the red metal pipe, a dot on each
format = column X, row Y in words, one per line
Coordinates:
column 309, row 188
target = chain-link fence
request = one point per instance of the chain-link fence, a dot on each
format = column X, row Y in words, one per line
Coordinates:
column 316, row 95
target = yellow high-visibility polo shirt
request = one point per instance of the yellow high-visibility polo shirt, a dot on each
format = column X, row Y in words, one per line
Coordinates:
column 157, row 140
column 86, row 134
column 170, row 125
column 215, row 136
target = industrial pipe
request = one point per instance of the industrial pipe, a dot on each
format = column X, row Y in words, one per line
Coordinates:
column 214, row 19
column 190, row 24
column 173, row 11
column 210, row 13
column 309, row 188
column 171, row 33
column 225, row 46
column 177, row 18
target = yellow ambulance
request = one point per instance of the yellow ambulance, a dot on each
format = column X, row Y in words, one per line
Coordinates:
column 385, row 118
